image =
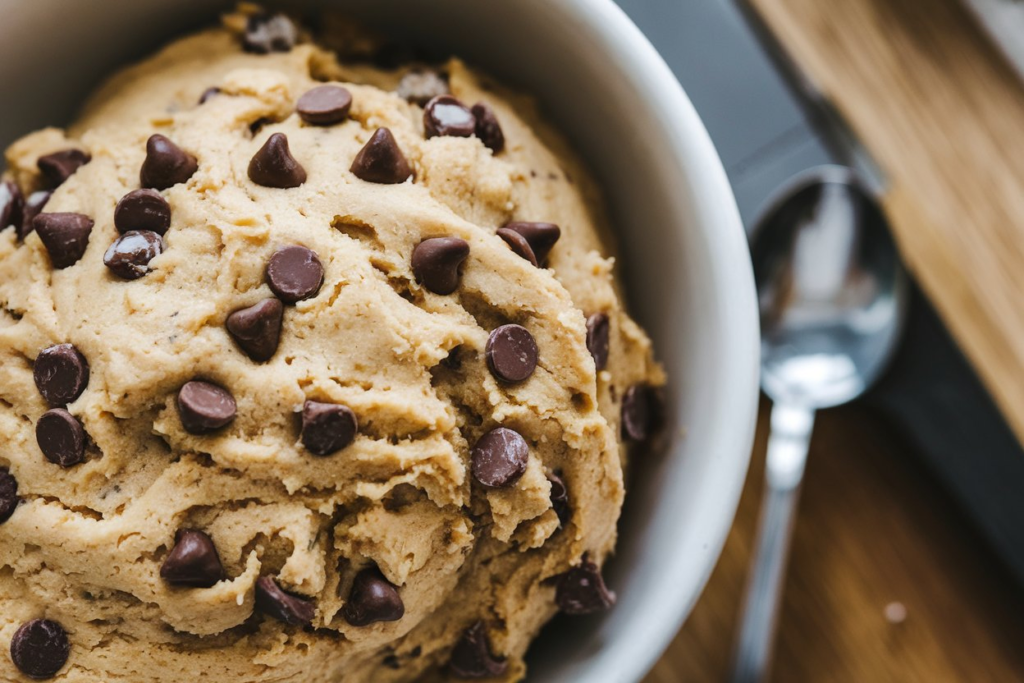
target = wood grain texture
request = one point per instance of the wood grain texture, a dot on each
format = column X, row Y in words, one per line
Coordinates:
column 872, row 529
column 943, row 114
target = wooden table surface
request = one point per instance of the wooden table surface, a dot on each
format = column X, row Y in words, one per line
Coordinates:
column 873, row 531
column 887, row 581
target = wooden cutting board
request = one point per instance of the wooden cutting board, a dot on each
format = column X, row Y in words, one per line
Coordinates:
column 943, row 113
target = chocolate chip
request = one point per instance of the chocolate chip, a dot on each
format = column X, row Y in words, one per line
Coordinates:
column 61, row 438
column 290, row 609
column 499, row 458
column 294, row 273
column 143, row 210
column 274, row 166
column 598, row 330
column 166, row 164
column 381, row 161
column 193, row 561
column 436, row 262
column 65, row 236
column 129, row 256
column 511, row 353
column 324, row 105
column 205, row 407
column 12, row 204
column 8, row 494
column 266, row 33
column 59, row 166
column 419, row 87
column 487, row 127
column 581, row 590
column 257, row 329
column 61, row 373
column 209, row 93
column 34, row 205
column 471, row 657
column 391, row 661
column 560, row 498
column 40, row 648
column 327, row 427
column 373, row 599
column 445, row 115
column 518, row 244
column 641, row 412
column 540, row 236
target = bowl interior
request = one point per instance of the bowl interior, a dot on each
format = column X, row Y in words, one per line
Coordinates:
column 683, row 254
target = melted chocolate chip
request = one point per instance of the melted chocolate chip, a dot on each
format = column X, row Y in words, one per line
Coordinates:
column 166, row 164
column 59, row 166
column 60, row 373
column 499, row 458
column 143, row 210
column 598, row 330
column 129, row 256
column 471, row 657
column 541, row 237
column 291, row 609
column 518, row 244
column 445, row 115
column 373, row 599
column 205, row 407
column 40, row 648
column 511, row 353
column 193, row 561
column 34, row 205
column 65, row 236
column 12, row 204
column 487, row 127
column 581, row 590
column 61, row 438
column 266, row 33
column 419, row 87
column 294, row 273
column 436, row 262
column 257, row 329
column 8, row 494
column 274, row 166
column 209, row 93
column 327, row 427
column 560, row 498
column 641, row 412
column 324, row 105
column 381, row 161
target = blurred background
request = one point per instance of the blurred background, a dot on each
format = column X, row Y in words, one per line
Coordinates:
column 908, row 556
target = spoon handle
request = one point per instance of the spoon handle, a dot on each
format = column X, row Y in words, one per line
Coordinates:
column 787, row 455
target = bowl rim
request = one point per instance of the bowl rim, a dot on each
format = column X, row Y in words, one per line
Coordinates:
column 691, row 147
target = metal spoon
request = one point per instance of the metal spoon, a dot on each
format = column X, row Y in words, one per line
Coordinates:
column 832, row 295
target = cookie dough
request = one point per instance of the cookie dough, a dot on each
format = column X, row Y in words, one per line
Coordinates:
column 310, row 370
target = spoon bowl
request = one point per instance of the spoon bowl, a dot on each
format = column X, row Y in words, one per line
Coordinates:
column 830, row 290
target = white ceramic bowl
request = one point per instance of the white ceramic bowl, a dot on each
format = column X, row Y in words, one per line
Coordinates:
column 684, row 256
